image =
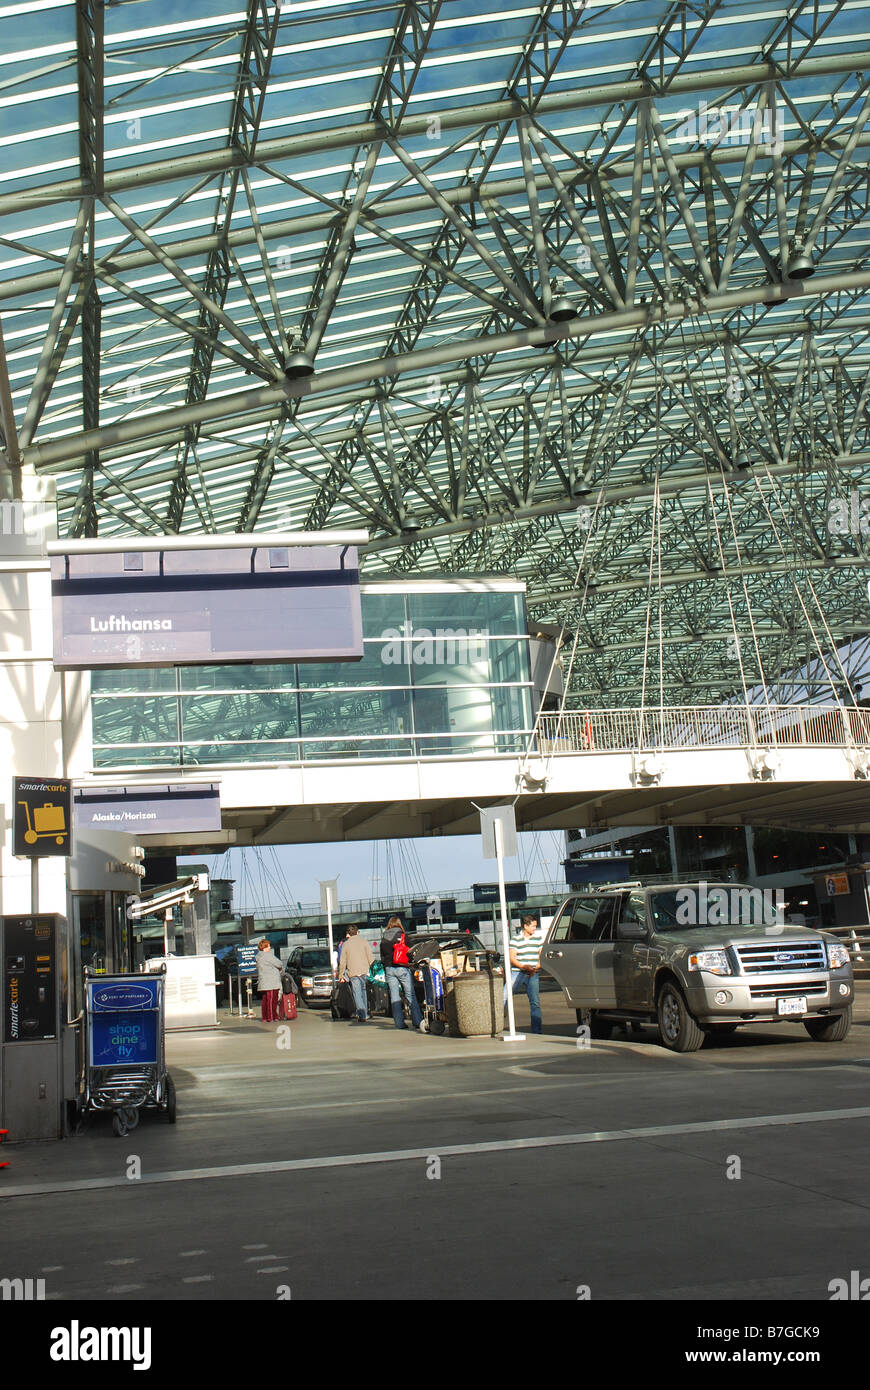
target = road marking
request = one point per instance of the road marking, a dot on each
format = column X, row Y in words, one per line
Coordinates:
column 124, row 1288
column 198, row 1279
column 273, row 1269
column 128, row 1261
column 548, row 1141
column 188, row 1254
column 217, row 1074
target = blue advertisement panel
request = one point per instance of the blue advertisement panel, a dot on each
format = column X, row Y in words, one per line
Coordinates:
column 124, row 1039
column 124, row 1023
column 123, row 994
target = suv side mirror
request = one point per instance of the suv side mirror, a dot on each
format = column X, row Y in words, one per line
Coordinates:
column 630, row 931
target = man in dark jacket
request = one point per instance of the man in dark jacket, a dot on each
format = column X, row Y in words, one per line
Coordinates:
column 394, row 954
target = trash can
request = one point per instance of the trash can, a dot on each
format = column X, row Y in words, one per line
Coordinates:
column 479, row 1004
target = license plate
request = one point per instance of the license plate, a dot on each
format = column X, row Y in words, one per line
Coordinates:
column 797, row 1005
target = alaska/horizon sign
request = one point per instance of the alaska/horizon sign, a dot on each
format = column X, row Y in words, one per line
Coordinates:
column 147, row 810
column 175, row 607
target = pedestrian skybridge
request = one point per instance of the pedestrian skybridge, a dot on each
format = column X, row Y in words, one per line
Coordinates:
column 805, row 767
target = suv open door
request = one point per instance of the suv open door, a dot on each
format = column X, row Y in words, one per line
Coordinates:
column 579, row 951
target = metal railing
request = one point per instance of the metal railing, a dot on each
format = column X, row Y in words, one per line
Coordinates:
column 388, row 902
column 708, row 726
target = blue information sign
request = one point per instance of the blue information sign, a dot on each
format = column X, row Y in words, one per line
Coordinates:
column 246, row 960
column 488, row 892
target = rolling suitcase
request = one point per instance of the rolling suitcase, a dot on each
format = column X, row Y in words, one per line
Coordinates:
column 287, row 1006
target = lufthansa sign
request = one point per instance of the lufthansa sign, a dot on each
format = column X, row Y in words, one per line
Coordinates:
column 194, row 607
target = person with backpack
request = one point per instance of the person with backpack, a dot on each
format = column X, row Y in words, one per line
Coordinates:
column 397, row 968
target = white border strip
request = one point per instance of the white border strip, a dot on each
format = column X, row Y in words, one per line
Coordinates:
column 550, row 1141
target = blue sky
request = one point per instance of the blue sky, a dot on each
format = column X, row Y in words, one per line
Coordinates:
column 289, row 874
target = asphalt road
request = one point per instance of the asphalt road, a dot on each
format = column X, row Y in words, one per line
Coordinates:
column 363, row 1163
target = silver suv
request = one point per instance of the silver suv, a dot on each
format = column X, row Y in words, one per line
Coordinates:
column 698, row 959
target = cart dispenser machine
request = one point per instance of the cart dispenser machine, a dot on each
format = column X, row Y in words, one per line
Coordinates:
column 31, row 1026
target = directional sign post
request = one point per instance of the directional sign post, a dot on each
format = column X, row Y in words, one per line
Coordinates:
column 328, row 904
column 498, row 829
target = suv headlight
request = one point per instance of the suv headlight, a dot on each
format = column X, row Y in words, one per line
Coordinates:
column 714, row 962
column 837, row 956
column 307, row 981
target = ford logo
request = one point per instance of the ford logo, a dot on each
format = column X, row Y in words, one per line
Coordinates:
column 783, row 956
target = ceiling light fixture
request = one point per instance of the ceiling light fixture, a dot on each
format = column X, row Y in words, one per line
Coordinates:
column 298, row 363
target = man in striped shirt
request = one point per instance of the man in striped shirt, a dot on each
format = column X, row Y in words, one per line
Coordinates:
column 525, row 960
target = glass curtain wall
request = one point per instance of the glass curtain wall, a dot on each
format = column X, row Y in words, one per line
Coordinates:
column 443, row 673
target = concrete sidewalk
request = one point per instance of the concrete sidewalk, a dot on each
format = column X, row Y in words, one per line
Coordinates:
column 316, row 1039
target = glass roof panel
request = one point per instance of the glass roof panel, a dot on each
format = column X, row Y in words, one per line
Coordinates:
column 611, row 157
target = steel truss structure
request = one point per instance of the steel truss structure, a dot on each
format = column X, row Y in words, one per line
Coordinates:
column 583, row 286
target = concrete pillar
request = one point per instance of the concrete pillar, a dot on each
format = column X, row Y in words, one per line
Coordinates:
column 751, row 866
column 672, row 843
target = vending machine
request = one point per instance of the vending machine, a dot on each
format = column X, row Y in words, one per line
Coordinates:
column 33, row 956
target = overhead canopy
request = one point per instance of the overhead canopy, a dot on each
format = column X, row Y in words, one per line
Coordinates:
column 584, row 289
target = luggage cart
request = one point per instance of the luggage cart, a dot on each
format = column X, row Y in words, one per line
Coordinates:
column 125, row 1047
column 434, row 1001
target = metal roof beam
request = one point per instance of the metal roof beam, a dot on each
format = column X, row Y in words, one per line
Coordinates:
column 237, row 404
column 451, row 118
column 38, row 282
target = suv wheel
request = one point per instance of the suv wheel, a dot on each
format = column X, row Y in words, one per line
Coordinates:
column 677, row 1027
column 829, row 1029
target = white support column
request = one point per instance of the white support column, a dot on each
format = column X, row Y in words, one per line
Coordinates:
column 31, row 736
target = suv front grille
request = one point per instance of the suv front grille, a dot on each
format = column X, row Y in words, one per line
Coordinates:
column 784, row 957
column 781, row 991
